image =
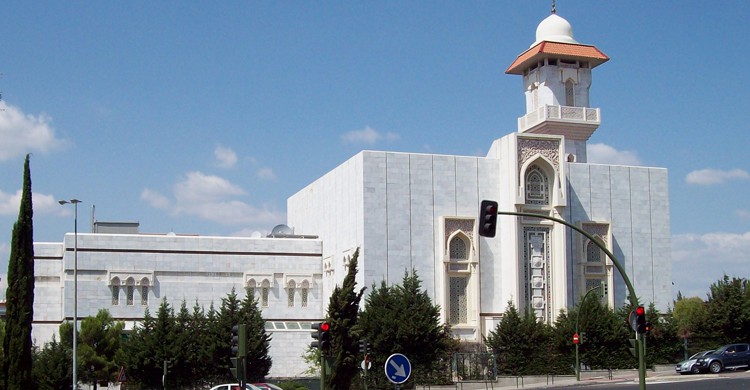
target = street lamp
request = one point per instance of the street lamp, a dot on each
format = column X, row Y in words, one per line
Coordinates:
column 74, row 202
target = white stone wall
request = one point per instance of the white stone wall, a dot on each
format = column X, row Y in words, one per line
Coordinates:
column 636, row 202
column 193, row 269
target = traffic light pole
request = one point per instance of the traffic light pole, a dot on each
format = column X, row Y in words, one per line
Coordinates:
column 620, row 269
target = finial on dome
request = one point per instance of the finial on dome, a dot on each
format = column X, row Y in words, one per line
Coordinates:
column 553, row 7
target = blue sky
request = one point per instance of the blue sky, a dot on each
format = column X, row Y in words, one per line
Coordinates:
column 199, row 117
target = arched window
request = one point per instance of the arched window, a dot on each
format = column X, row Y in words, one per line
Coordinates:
column 569, row 93
column 593, row 253
column 115, row 291
column 144, row 292
column 458, row 280
column 303, row 293
column 537, row 186
column 290, row 293
column 264, row 293
column 458, row 250
column 130, row 291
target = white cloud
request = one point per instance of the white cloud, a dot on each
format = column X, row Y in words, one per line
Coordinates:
column 700, row 260
column 743, row 214
column 225, row 157
column 155, row 199
column 24, row 133
column 266, row 173
column 367, row 135
column 42, row 204
column 715, row 176
column 605, row 154
column 212, row 198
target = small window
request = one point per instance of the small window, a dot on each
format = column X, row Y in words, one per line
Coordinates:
column 131, row 291
column 458, row 249
column 290, row 293
column 552, row 61
column 115, row 295
column 303, row 296
column 569, row 93
column 537, row 189
column 264, row 294
column 144, row 295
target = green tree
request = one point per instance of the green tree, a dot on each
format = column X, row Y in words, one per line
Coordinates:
column 149, row 346
column 229, row 316
column 19, row 296
column 52, row 365
column 258, row 340
column 403, row 319
column 729, row 310
column 343, row 309
column 520, row 343
column 97, row 347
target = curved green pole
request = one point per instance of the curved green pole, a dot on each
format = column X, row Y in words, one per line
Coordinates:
column 620, row 269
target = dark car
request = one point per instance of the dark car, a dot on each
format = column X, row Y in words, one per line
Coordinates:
column 728, row 357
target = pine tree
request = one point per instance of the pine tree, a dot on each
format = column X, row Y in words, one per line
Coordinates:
column 98, row 344
column 258, row 341
column 19, row 296
column 343, row 308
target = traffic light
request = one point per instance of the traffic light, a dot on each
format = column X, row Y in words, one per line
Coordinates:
column 582, row 337
column 640, row 320
column 363, row 347
column 239, row 351
column 487, row 218
column 321, row 336
column 632, row 347
column 325, row 337
column 647, row 328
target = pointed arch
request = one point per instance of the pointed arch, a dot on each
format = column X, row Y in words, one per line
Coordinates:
column 538, row 181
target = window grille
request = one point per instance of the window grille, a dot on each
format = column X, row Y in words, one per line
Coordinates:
column 115, row 295
column 290, row 294
column 458, row 249
column 537, row 189
column 303, row 296
column 131, row 290
column 593, row 253
column 264, row 296
column 458, row 304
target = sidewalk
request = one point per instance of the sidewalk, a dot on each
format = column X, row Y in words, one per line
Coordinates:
column 543, row 381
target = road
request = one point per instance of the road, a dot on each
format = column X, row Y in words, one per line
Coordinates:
column 724, row 381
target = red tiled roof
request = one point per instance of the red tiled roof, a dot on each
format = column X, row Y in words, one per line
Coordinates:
column 547, row 49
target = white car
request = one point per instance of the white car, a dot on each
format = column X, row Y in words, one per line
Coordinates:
column 688, row 366
column 234, row 386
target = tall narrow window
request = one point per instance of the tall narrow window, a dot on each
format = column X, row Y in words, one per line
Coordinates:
column 144, row 295
column 131, row 291
column 569, row 93
column 264, row 294
column 290, row 293
column 115, row 294
column 537, row 187
column 303, row 293
column 457, row 303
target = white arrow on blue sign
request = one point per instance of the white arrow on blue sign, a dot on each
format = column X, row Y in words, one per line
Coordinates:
column 397, row 368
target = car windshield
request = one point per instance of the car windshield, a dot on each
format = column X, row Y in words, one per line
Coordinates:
column 700, row 354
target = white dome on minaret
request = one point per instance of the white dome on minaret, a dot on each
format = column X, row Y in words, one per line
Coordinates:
column 554, row 29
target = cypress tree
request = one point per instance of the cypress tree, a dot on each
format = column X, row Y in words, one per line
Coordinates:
column 343, row 309
column 20, row 294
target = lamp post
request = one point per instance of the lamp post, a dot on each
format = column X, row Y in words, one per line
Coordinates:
column 74, row 202
column 578, row 317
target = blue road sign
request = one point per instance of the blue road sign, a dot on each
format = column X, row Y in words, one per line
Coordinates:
column 397, row 368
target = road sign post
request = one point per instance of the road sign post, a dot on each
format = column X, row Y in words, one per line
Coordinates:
column 397, row 369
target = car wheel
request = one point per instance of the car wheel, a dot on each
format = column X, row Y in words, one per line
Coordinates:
column 715, row 367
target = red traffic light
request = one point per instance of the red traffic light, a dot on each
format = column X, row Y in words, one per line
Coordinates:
column 639, row 311
column 324, row 327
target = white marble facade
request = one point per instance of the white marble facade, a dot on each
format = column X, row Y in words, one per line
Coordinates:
column 412, row 211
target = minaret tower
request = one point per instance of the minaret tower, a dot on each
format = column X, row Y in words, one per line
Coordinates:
column 556, row 72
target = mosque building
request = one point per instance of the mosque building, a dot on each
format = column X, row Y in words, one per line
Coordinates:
column 408, row 211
